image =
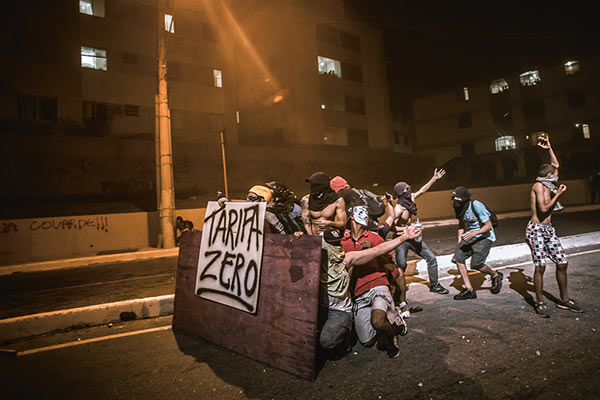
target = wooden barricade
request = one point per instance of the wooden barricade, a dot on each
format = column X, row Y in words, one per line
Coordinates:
column 282, row 332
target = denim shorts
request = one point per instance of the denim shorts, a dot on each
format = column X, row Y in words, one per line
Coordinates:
column 478, row 251
column 377, row 298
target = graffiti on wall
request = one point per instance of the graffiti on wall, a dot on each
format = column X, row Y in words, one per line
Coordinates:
column 99, row 223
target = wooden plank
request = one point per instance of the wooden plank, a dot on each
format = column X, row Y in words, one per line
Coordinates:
column 282, row 333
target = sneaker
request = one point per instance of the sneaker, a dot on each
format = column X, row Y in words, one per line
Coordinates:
column 405, row 313
column 497, row 283
column 465, row 294
column 570, row 305
column 542, row 310
column 392, row 351
column 437, row 288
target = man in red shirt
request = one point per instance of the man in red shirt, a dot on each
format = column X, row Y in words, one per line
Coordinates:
column 375, row 316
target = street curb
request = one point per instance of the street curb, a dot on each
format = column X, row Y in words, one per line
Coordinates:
column 84, row 261
column 37, row 324
column 510, row 252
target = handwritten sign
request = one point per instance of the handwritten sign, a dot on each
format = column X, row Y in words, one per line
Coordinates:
column 231, row 250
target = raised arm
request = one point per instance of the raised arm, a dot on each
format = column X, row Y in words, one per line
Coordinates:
column 364, row 256
column 437, row 174
column 544, row 143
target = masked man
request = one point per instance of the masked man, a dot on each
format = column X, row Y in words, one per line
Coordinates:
column 541, row 236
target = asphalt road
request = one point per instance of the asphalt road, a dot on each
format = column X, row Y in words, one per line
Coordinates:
column 35, row 292
column 493, row 347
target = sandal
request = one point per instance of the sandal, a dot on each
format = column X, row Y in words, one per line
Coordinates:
column 570, row 305
column 541, row 309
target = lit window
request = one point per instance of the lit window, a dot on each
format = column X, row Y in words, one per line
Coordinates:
column 92, row 7
column 529, row 78
column 93, row 58
column 505, row 143
column 466, row 93
column 498, row 86
column 169, row 23
column 584, row 129
column 572, row 68
column 217, row 78
column 329, row 66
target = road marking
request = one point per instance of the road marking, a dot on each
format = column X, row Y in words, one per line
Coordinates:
column 102, row 283
column 92, row 340
column 581, row 253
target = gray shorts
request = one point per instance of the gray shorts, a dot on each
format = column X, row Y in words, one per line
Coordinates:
column 377, row 298
column 478, row 250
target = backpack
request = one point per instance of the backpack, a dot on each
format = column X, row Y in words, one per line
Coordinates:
column 374, row 204
column 493, row 216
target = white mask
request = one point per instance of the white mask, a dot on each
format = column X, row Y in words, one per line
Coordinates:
column 360, row 215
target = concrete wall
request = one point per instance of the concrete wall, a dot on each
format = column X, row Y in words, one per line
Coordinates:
column 35, row 239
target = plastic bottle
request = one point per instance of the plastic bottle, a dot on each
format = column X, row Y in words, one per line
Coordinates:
column 418, row 225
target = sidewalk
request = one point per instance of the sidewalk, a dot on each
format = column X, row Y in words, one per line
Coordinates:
column 510, row 249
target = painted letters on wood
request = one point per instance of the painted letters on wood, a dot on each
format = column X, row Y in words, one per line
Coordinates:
column 230, row 256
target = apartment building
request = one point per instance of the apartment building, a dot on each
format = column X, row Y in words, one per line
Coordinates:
column 297, row 86
column 502, row 114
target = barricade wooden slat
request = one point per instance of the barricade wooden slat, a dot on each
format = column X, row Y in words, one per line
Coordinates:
column 282, row 333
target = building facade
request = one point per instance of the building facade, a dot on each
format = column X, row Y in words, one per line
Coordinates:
column 295, row 87
column 504, row 113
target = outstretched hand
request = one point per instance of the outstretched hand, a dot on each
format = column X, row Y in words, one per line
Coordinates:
column 438, row 173
column 544, row 142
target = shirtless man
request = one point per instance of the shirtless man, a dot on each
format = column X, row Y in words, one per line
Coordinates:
column 403, row 211
column 541, row 236
column 322, row 208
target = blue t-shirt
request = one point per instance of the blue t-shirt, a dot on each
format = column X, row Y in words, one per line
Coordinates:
column 472, row 223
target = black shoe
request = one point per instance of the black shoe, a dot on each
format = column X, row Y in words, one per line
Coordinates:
column 466, row 294
column 392, row 351
column 497, row 283
column 437, row 288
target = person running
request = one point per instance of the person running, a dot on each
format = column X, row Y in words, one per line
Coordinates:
column 541, row 235
column 404, row 209
column 475, row 237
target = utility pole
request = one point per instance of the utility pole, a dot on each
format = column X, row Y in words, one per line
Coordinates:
column 167, row 193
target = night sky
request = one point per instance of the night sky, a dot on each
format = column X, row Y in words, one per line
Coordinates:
column 433, row 46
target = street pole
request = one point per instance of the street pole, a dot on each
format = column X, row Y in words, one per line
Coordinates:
column 167, row 194
column 159, row 239
column 224, row 163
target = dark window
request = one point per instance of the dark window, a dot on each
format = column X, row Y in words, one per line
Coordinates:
column 132, row 110
column 535, row 115
column 129, row 58
column 326, row 34
column 576, row 99
column 502, row 117
column 33, row 108
column 358, row 137
column 95, row 118
column 349, row 41
column 468, row 149
column 533, row 108
column 215, row 122
column 355, row 105
column 351, row 72
column 172, row 70
column 397, row 137
column 464, row 120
